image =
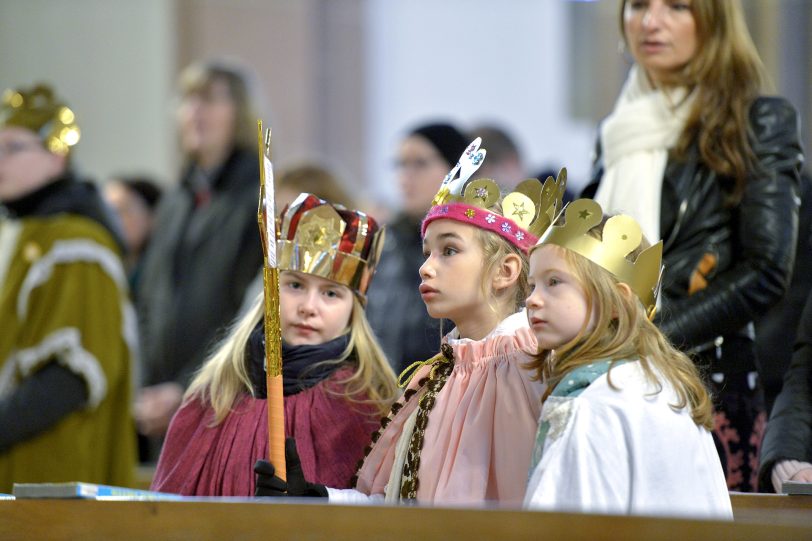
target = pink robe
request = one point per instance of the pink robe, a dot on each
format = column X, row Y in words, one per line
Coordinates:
column 331, row 434
column 481, row 431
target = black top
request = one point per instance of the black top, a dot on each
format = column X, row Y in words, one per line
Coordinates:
column 789, row 430
column 204, row 252
column 67, row 195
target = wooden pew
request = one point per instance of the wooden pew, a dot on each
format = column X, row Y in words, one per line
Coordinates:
column 771, row 508
column 292, row 520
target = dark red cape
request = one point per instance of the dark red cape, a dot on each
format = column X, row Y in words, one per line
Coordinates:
column 330, row 431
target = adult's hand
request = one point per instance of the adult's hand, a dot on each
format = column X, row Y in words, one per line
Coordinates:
column 155, row 406
column 804, row 475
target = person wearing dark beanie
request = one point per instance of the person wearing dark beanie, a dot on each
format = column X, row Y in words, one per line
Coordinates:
column 445, row 138
column 425, row 156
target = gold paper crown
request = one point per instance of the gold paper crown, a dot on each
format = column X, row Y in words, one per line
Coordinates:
column 621, row 236
column 330, row 241
column 38, row 110
column 532, row 206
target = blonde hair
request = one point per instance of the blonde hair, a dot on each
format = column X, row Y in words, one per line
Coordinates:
column 623, row 331
column 224, row 376
column 727, row 76
column 494, row 250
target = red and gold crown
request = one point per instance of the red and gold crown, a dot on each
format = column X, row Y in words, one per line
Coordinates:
column 330, row 241
column 621, row 236
column 38, row 110
column 525, row 213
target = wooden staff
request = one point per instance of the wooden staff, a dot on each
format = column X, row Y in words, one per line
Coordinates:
column 266, row 216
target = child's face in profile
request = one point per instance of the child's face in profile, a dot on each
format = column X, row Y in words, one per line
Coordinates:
column 451, row 275
column 557, row 305
column 314, row 310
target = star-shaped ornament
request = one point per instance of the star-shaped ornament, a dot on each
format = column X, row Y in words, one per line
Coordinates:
column 519, row 210
column 319, row 232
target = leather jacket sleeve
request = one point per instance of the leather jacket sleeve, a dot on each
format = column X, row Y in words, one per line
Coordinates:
column 765, row 230
column 789, row 431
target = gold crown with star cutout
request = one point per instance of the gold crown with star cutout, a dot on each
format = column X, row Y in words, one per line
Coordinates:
column 621, row 236
column 330, row 241
column 533, row 205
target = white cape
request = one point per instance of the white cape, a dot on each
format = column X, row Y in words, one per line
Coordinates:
column 626, row 451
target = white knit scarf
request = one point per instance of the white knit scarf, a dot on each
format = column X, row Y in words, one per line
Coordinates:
column 635, row 139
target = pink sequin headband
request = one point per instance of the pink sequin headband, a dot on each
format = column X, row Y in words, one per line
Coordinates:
column 483, row 219
column 467, row 201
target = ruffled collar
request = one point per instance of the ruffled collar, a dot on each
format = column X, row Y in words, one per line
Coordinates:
column 509, row 325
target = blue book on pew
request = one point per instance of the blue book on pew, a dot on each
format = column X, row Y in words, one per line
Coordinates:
column 88, row 491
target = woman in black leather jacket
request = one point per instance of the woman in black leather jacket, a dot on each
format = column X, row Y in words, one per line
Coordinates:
column 712, row 167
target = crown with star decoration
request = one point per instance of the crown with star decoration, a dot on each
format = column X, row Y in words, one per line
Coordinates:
column 525, row 213
column 329, row 241
column 621, row 236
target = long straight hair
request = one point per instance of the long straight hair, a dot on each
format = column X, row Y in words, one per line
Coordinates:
column 726, row 75
column 224, row 376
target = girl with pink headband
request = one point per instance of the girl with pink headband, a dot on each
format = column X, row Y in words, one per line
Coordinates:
column 462, row 433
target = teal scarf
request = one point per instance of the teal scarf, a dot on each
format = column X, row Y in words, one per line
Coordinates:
column 570, row 386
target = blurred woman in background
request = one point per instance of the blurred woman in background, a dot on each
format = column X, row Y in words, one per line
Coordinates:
column 205, row 249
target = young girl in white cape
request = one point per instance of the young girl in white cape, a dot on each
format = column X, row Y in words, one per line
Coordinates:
column 625, row 425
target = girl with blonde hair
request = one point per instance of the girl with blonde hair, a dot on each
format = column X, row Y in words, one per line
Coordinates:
column 337, row 381
column 625, row 426
column 463, row 431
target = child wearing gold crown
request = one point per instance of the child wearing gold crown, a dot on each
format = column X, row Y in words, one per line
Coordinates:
column 625, row 426
column 463, row 431
column 337, row 380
